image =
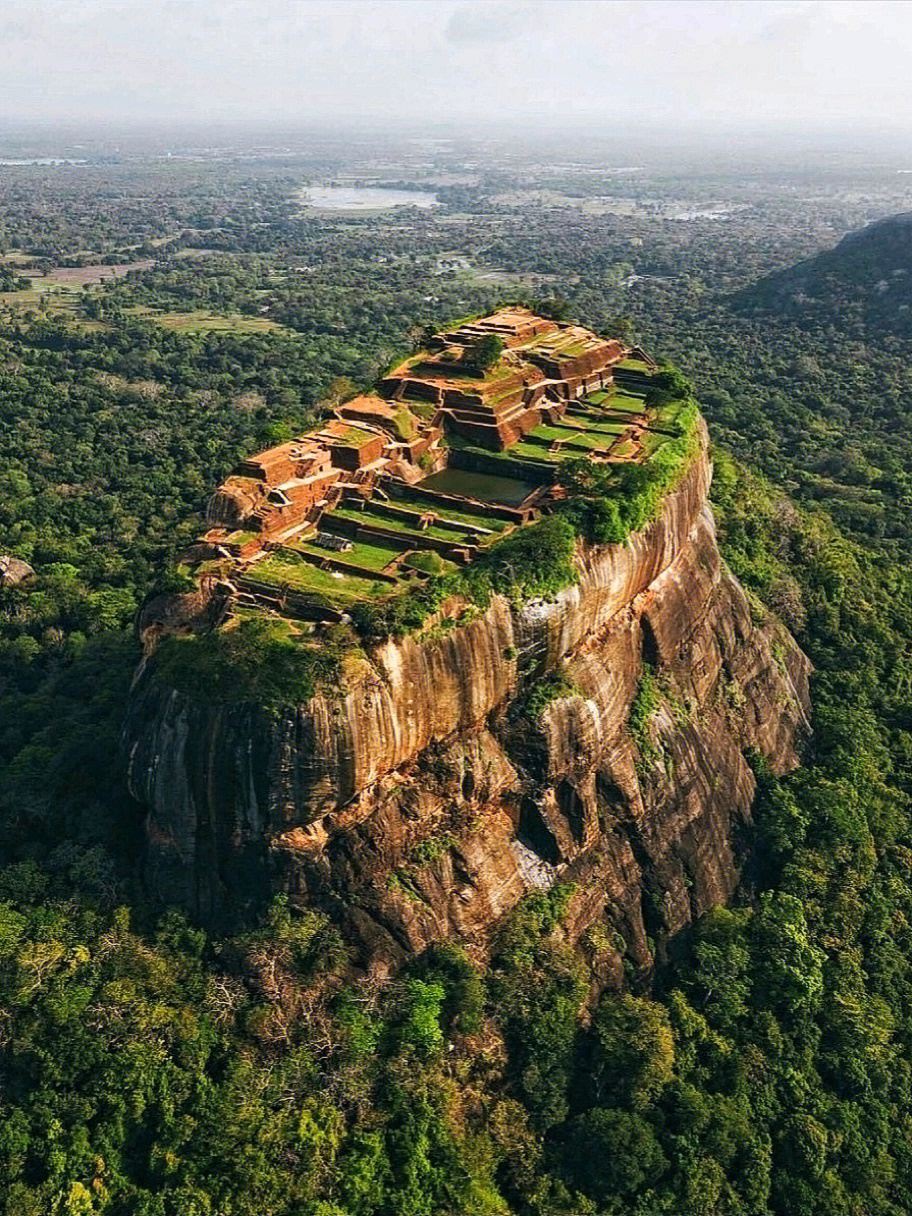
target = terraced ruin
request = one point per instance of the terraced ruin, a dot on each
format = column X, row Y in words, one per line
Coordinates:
column 457, row 447
column 404, row 679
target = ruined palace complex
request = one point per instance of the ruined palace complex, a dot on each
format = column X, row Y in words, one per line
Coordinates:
column 456, row 446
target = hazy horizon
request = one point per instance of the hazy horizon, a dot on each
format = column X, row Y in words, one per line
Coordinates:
column 781, row 67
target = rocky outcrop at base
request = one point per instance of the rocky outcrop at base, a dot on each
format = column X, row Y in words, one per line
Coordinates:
column 459, row 770
column 14, row 572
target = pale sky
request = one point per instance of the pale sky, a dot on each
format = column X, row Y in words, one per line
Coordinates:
column 685, row 62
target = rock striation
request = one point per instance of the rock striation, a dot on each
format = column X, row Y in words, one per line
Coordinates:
column 454, row 772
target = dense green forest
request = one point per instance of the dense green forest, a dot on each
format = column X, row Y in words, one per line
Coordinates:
column 149, row 1069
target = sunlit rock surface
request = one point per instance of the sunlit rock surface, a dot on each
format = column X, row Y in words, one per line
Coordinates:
column 419, row 803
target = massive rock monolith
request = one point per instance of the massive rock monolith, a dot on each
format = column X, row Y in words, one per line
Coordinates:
column 428, row 794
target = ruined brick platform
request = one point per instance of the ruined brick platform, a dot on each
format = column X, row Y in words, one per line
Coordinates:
column 443, row 458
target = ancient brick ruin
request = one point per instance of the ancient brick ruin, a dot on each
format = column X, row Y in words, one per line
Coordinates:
column 373, row 472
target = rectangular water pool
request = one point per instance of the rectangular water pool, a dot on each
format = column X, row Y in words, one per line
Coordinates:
column 486, row 487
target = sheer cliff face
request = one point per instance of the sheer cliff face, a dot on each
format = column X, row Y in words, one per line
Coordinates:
column 420, row 802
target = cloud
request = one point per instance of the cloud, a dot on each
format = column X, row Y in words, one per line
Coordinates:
column 616, row 62
column 474, row 23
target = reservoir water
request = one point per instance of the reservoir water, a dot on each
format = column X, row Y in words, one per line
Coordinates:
column 484, row 487
column 366, row 198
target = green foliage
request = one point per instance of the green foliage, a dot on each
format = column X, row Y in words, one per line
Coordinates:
column 175, row 581
column 257, row 662
column 645, row 702
column 10, row 280
column 421, row 1027
column 535, row 918
column 632, row 1052
column 554, row 307
column 791, row 967
column 553, row 687
column 609, row 501
column 464, row 1003
column 534, row 562
column 197, row 1078
column 429, row 561
column 431, row 849
column 596, row 513
column 364, row 1029
column 145, row 1068
column 485, row 353
column 613, row 1154
column 672, row 381
column 538, row 989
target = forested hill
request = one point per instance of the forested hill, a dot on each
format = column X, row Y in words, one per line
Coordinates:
column 806, row 373
column 869, row 272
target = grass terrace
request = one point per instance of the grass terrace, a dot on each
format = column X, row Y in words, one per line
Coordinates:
column 409, row 529
column 354, row 437
column 668, row 416
column 625, row 403
column 591, row 427
column 368, row 554
column 571, row 444
column 413, row 546
column 572, row 350
column 414, row 502
column 548, row 432
column 635, row 365
column 436, row 368
column 286, row 570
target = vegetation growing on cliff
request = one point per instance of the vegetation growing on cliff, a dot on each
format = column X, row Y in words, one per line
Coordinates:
column 531, row 563
column 553, row 687
column 258, row 661
column 148, row 1068
column 767, row 1068
column 608, row 502
column 645, row 703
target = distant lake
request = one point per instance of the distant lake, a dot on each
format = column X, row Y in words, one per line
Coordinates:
column 716, row 211
column 41, row 160
column 365, row 198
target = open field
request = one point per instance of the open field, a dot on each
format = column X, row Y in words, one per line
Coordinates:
column 34, row 298
column 205, row 322
column 371, row 554
column 58, row 292
column 527, row 449
column 616, row 400
column 284, row 570
column 82, row 276
column 625, row 402
column 409, row 530
column 56, row 301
